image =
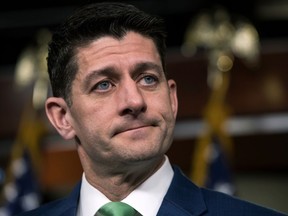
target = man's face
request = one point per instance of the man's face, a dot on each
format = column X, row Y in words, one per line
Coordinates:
column 123, row 108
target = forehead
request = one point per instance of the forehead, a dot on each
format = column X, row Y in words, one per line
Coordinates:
column 107, row 50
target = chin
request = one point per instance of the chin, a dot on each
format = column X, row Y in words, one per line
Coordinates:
column 145, row 156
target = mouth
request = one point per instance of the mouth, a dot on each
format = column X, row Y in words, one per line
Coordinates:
column 131, row 128
column 135, row 128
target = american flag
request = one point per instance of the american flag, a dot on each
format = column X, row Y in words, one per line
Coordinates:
column 21, row 192
column 219, row 173
column 21, row 189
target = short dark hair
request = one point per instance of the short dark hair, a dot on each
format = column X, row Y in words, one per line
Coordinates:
column 89, row 23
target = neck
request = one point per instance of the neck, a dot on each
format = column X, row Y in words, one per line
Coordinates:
column 117, row 182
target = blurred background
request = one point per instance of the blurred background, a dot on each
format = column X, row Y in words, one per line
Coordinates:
column 230, row 60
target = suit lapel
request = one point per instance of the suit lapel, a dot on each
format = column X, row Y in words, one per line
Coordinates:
column 183, row 197
column 67, row 206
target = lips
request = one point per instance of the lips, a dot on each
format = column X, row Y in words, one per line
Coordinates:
column 122, row 130
column 133, row 126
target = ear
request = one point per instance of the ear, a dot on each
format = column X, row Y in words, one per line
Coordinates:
column 58, row 113
column 173, row 96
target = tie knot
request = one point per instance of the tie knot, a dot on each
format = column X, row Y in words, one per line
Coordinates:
column 116, row 209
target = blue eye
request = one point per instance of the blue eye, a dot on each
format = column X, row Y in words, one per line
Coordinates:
column 149, row 80
column 104, row 85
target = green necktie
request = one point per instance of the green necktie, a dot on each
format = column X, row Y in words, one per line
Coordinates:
column 116, row 209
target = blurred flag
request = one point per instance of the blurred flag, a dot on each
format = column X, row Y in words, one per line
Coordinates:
column 211, row 161
column 21, row 194
column 219, row 174
column 21, row 191
column 212, row 166
column 224, row 39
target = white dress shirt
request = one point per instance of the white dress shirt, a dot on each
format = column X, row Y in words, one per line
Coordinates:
column 149, row 193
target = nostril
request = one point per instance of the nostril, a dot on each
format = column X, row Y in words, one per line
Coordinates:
column 134, row 111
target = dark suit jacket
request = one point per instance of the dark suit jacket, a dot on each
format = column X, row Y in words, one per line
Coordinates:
column 182, row 199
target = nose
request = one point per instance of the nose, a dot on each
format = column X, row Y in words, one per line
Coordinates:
column 131, row 100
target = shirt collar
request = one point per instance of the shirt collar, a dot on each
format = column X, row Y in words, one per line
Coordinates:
column 150, row 193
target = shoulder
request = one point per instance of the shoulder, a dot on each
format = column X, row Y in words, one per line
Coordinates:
column 209, row 202
column 220, row 202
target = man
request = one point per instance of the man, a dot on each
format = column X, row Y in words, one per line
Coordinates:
column 110, row 93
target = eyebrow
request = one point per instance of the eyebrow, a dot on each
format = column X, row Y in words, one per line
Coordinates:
column 107, row 71
column 144, row 66
column 111, row 71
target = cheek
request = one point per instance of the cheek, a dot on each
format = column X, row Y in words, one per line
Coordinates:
column 164, row 106
column 84, row 119
column 97, row 122
column 165, row 115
